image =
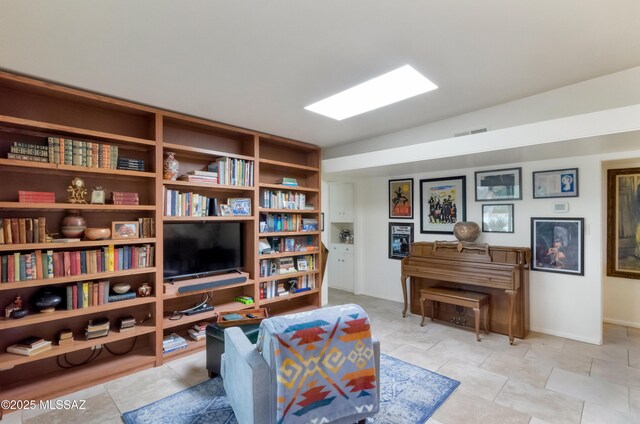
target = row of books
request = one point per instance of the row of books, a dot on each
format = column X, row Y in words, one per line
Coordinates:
column 281, row 266
column 189, row 204
column 284, row 200
column 173, row 342
column 43, row 265
column 147, row 227
column 232, row 171
column 82, row 153
column 85, row 294
column 275, row 222
column 23, row 230
column 25, row 196
column 281, row 288
column 272, row 244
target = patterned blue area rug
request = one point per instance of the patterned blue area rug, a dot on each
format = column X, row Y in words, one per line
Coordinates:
column 409, row 395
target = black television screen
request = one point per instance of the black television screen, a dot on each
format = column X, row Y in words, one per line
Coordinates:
column 201, row 248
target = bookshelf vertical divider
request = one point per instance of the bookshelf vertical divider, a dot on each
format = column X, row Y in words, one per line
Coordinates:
column 140, row 133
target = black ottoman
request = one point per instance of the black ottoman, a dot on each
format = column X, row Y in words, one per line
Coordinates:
column 215, row 344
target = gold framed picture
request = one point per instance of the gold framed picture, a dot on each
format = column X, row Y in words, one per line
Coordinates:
column 125, row 229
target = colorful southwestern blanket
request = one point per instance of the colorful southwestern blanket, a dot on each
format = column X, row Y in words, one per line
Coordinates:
column 324, row 363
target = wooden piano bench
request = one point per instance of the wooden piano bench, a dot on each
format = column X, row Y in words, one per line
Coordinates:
column 467, row 299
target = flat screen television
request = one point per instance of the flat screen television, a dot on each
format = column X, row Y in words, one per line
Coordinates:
column 203, row 248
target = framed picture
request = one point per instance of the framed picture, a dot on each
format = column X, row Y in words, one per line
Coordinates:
column 98, row 196
column 623, row 223
column 499, row 184
column 240, row 206
column 557, row 245
column 401, row 198
column 555, row 183
column 442, row 204
column 125, row 229
column 400, row 237
column 497, row 218
column 302, row 264
column 225, row 210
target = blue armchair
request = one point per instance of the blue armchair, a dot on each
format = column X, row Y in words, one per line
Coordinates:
column 321, row 364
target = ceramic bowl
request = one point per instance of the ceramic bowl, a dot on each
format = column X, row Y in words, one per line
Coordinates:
column 121, row 288
column 97, row 233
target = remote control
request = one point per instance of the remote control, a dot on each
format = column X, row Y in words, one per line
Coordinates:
column 251, row 316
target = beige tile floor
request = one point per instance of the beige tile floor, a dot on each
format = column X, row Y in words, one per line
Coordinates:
column 542, row 379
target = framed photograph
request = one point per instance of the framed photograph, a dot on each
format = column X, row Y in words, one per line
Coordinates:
column 240, row 206
column 555, row 183
column 557, row 245
column 497, row 218
column 225, row 210
column 302, row 264
column 400, row 237
column 499, row 184
column 623, row 223
column 125, row 229
column 289, row 244
column 98, row 196
column 442, row 204
column 401, row 198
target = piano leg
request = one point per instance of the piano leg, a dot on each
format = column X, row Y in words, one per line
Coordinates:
column 512, row 302
column 403, row 283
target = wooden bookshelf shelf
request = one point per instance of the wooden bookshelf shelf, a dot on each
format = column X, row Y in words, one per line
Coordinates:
column 287, row 254
column 197, row 151
column 38, row 317
column 74, row 278
column 189, row 319
column 71, row 206
column 10, row 360
column 74, row 245
column 50, row 128
column 220, row 187
column 192, row 347
column 287, row 276
column 171, row 290
column 71, row 169
column 288, row 233
column 300, row 211
column 286, row 187
column 278, row 299
column 207, row 218
column 287, row 165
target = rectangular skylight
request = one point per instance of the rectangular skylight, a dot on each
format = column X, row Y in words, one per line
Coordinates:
column 384, row 90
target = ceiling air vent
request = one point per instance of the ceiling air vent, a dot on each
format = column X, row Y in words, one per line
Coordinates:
column 478, row 131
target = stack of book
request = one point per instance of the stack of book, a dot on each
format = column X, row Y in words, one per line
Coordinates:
column 29, row 152
column 126, row 323
column 200, row 177
column 292, row 182
column 131, row 164
column 23, row 230
column 65, row 337
column 124, row 198
column 30, row 346
column 97, row 327
column 198, row 332
column 247, row 300
column 173, row 342
column 25, row 196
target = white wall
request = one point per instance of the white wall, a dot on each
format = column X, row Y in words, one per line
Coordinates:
column 564, row 305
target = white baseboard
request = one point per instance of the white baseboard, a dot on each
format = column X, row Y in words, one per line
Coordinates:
column 567, row 336
column 621, row 322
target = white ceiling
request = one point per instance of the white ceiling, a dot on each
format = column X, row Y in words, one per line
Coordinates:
column 256, row 64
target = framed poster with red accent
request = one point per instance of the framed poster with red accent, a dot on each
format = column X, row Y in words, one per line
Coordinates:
column 401, row 199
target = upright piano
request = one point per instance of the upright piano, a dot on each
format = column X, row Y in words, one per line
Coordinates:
column 500, row 271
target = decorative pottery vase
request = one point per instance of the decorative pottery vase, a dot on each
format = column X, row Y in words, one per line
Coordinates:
column 97, row 233
column 47, row 299
column 466, row 231
column 170, row 166
column 121, row 288
column 144, row 290
column 73, row 225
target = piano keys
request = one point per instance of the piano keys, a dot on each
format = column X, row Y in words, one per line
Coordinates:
column 500, row 271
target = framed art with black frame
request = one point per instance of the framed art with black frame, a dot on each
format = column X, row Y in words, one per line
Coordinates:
column 623, row 223
column 401, row 199
column 557, row 245
column 443, row 202
column 400, row 238
column 497, row 218
column 499, row 184
column 555, row 183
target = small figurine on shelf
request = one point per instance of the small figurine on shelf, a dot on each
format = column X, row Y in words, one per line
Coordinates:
column 16, row 305
column 77, row 192
column 144, row 290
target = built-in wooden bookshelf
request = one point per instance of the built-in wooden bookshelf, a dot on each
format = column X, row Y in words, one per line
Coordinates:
column 31, row 111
